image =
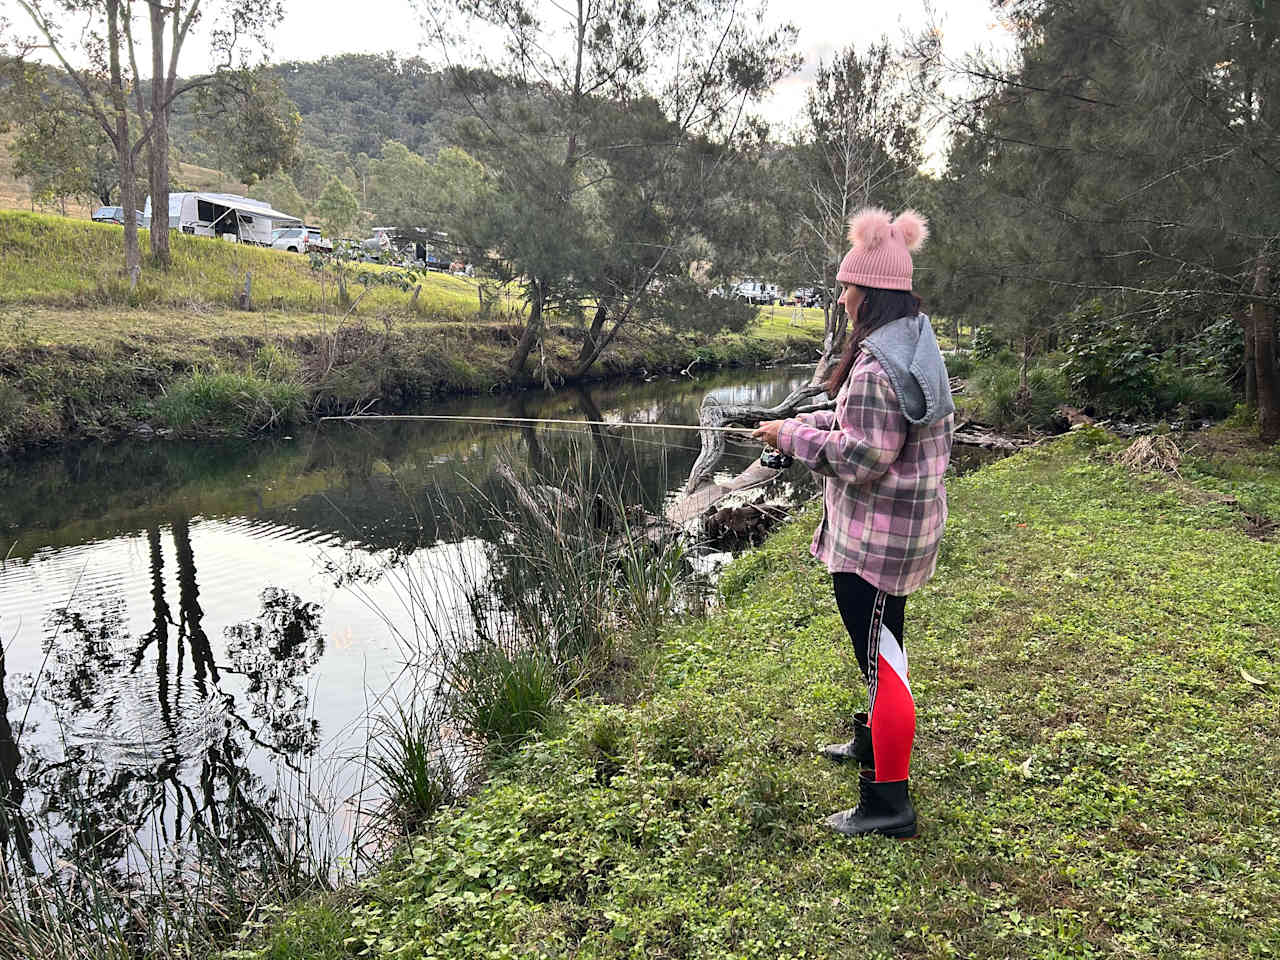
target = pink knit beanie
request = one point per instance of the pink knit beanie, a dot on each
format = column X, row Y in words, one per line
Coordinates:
column 882, row 248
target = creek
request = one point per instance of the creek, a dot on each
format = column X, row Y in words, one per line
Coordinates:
column 193, row 636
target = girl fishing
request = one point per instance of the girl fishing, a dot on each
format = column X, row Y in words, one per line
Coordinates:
column 882, row 453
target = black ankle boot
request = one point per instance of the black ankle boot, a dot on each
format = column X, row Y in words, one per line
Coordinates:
column 857, row 749
column 883, row 808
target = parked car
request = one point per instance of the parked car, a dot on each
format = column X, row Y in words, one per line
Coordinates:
column 807, row 297
column 300, row 240
column 115, row 215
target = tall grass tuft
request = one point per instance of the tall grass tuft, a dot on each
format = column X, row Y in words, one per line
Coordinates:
column 231, row 401
column 411, row 763
column 500, row 695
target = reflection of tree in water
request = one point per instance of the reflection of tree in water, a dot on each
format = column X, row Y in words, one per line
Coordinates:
column 274, row 652
column 138, row 767
column 191, row 614
column 15, row 831
column 82, row 653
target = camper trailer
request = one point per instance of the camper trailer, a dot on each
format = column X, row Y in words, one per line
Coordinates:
column 224, row 215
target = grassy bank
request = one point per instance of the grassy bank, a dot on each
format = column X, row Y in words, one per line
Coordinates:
column 1094, row 772
column 80, row 356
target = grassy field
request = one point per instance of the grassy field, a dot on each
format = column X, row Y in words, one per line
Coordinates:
column 1094, row 773
column 82, row 356
column 61, row 262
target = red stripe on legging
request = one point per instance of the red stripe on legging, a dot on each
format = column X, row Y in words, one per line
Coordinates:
column 893, row 724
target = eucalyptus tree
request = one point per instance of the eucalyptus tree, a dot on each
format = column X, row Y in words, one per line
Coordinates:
column 337, row 208
column 56, row 148
column 600, row 110
column 100, row 35
column 1130, row 153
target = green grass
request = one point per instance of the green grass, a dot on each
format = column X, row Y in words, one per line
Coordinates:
column 58, row 261
column 1093, row 774
column 227, row 401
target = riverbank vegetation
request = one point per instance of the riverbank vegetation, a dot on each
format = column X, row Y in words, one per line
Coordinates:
column 79, row 358
column 1096, row 674
column 1119, row 377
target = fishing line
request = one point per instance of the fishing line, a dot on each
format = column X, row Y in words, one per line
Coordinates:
column 738, row 436
column 665, row 444
column 575, row 423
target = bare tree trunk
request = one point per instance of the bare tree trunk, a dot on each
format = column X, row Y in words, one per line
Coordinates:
column 124, row 154
column 833, row 336
column 588, row 354
column 532, row 330
column 159, row 143
column 1264, row 354
column 1250, row 366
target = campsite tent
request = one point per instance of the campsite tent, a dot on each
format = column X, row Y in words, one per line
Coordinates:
column 224, row 214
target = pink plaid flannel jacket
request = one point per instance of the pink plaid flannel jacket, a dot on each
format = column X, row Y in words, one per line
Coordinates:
column 884, row 504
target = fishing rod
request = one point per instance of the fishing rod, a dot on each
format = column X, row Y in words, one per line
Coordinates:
column 577, row 423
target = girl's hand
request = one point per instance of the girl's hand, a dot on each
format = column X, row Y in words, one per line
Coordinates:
column 768, row 432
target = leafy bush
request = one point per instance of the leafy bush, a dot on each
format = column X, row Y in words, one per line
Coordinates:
column 985, row 343
column 1112, row 371
column 1109, row 369
column 1217, row 349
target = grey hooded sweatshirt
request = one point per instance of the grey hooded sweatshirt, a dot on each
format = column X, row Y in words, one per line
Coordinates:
column 909, row 353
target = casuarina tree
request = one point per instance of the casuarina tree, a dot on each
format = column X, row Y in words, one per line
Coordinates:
column 606, row 128
column 1129, row 154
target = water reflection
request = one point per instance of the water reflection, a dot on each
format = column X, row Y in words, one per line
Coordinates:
column 185, row 625
column 186, row 628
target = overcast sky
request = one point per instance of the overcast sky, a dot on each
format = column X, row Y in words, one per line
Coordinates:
column 316, row 28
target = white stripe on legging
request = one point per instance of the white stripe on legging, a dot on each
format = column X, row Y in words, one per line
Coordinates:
column 894, row 654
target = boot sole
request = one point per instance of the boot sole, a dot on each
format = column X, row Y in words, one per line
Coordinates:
column 896, row 833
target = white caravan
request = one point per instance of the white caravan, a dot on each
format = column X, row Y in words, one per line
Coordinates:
column 224, row 215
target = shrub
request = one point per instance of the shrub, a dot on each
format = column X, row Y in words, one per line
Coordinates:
column 959, row 364
column 985, row 343
column 1185, row 393
column 996, row 388
column 1109, row 369
column 1115, row 373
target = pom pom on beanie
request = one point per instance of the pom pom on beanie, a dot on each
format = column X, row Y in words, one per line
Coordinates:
column 913, row 228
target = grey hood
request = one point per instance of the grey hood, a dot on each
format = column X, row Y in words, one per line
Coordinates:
column 909, row 353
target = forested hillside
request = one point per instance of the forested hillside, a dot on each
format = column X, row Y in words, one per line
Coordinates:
column 350, row 106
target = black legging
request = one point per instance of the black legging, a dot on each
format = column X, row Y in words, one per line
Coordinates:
column 874, row 620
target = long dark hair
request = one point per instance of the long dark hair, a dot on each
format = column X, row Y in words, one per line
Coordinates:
column 878, row 307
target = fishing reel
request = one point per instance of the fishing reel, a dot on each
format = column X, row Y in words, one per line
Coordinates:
column 775, row 459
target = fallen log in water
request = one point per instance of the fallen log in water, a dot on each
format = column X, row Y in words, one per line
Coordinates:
column 975, row 434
